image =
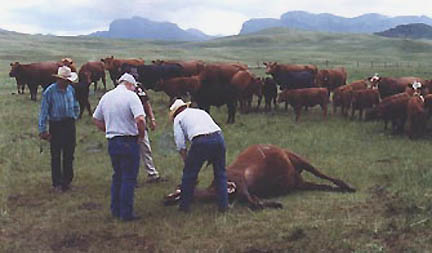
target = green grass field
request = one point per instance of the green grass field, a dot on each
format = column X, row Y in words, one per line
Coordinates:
column 390, row 212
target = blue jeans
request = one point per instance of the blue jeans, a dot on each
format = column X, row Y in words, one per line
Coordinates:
column 124, row 153
column 206, row 148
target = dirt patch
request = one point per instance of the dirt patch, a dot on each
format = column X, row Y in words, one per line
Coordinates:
column 73, row 241
column 90, row 206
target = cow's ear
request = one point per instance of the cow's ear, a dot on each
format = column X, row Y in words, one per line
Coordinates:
column 265, row 63
column 11, row 64
column 112, row 57
column 102, row 60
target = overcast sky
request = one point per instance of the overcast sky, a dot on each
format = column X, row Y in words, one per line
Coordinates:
column 210, row 16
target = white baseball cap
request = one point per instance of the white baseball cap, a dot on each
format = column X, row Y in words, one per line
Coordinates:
column 128, row 78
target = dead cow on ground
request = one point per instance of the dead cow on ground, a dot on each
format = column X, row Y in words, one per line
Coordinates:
column 264, row 171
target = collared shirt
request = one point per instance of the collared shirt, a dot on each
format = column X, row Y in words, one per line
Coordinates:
column 190, row 123
column 118, row 108
column 57, row 105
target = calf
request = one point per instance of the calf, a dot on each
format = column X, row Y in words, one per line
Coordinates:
column 92, row 72
column 305, row 97
column 364, row 99
column 265, row 171
column 342, row 95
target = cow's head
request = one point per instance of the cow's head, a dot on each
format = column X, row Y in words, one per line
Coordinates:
column 257, row 85
column 270, row 67
column 15, row 69
column 109, row 61
column 283, row 96
column 174, row 197
column 374, row 80
column 323, row 77
column 84, row 77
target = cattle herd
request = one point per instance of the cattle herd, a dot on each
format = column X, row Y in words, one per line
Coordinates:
column 404, row 100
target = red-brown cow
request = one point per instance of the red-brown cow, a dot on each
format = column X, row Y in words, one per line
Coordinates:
column 389, row 86
column 265, row 171
column 394, row 109
column 70, row 63
column 364, row 99
column 190, row 68
column 342, row 95
column 416, row 116
column 247, row 85
column 34, row 74
column 305, row 97
column 92, row 72
column 179, row 86
column 113, row 65
column 331, row 78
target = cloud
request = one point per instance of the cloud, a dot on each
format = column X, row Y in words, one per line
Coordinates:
column 211, row 16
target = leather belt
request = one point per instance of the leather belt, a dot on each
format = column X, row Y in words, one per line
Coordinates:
column 125, row 137
column 204, row 135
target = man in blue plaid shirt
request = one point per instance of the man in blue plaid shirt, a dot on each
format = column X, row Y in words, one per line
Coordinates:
column 60, row 107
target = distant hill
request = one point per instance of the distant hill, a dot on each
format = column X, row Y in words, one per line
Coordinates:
column 142, row 28
column 410, row 31
column 368, row 23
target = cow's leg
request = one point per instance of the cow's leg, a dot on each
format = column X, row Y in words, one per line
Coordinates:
column 324, row 109
column 89, row 107
column 231, row 112
column 297, row 111
column 275, row 105
column 259, row 103
column 301, row 164
column 352, row 112
column 334, row 108
column 104, row 81
column 33, row 91
column 95, row 86
column 309, row 186
column 361, row 113
column 255, row 203
column 286, row 105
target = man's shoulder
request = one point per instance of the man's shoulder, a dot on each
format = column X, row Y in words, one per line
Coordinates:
column 49, row 88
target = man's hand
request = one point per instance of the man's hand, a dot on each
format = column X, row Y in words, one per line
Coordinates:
column 45, row 136
column 100, row 124
column 153, row 124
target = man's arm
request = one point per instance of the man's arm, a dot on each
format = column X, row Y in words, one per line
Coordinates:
column 141, row 124
column 149, row 114
column 183, row 154
column 43, row 117
column 100, row 124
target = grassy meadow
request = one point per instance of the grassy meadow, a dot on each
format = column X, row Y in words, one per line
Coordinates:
column 390, row 212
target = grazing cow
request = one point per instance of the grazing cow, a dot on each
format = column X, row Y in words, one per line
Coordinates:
column 92, row 72
column 216, row 88
column 247, row 85
column 364, row 99
column 114, row 66
column 82, row 95
column 305, row 97
column 269, row 91
column 331, row 78
column 266, row 171
column 388, row 86
column 34, row 74
column 394, row 109
column 342, row 95
column 190, row 68
column 178, row 87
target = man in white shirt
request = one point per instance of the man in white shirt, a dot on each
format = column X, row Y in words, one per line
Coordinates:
column 121, row 116
column 207, row 144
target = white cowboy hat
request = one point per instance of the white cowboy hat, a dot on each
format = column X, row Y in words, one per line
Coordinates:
column 178, row 103
column 128, row 78
column 66, row 73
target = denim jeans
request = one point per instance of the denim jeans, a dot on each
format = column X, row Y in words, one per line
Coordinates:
column 125, row 156
column 206, row 148
column 62, row 145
